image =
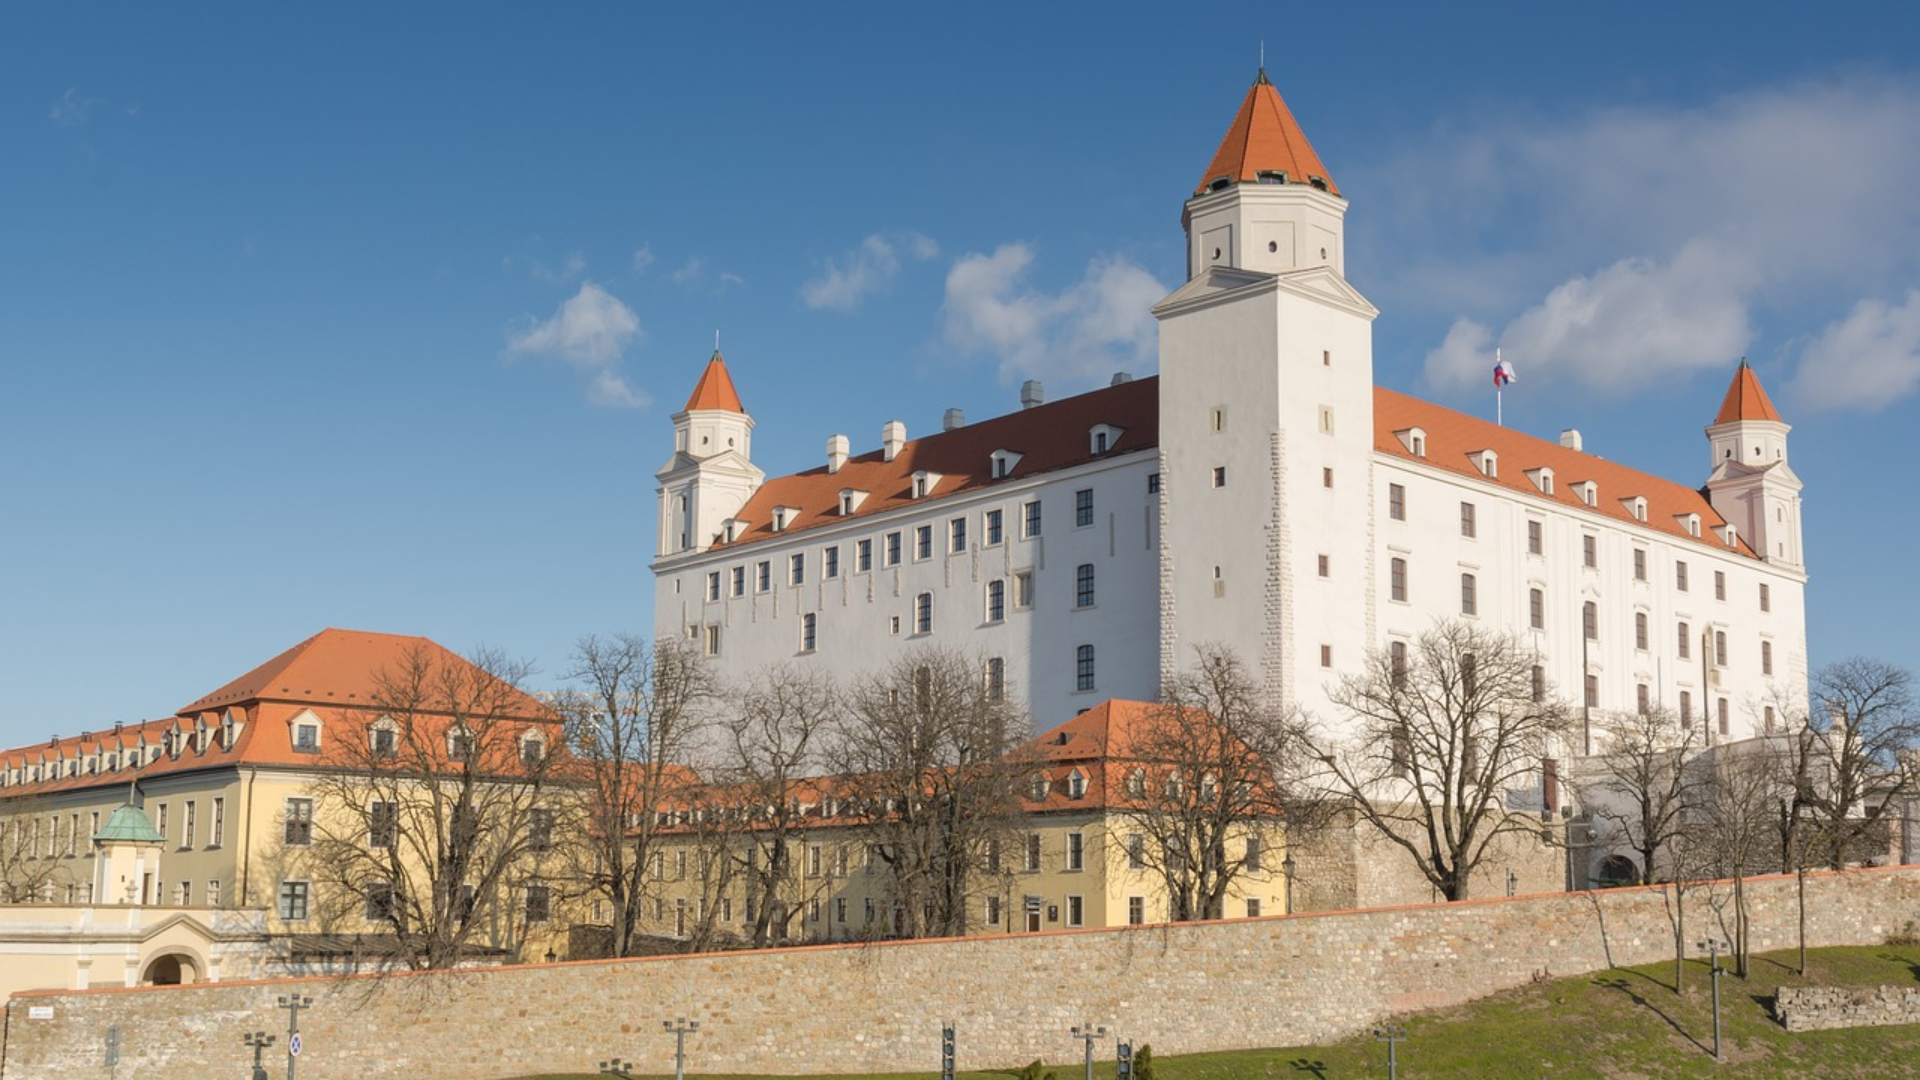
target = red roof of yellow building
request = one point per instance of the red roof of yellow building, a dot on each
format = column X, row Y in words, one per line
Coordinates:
column 715, row 389
column 1745, row 399
column 1265, row 139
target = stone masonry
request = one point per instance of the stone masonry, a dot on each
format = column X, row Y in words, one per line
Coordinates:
column 866, row 1008
column 1815, row 1008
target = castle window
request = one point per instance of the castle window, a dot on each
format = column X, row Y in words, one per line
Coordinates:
column 922, row 542
column 1639, row 564
column 713, row 641
column 1590, row 551
column 1685, row 649
column 1469, row 595
column 1004, row 462
column 830, row 562
column 797, row 568
column 1542, row 479
column 1640, row 630
column 1537, row 609
column 782, row 517
column 1030, row 518
column 1414, row 439
column 1719, row 648
column 1083, row 586
column 1398, row 588
column 893, row 548
column 1083, row 668
column 808, row 625
column 923, row 613
column 1103, row 437
column 1680, row 576
column 1219, row 419
column 1082, row 507
column 1023, row 589
column 713, row 585
column 763, row 575
column 1590, row 620
column 1766, row 597
column 1397, row 502
column 957, row 535
column 1219, row 476
column 1468, row 526
column 1766, row 658
column 1153, row 483
column 1535, row 538
column 996, row 600
column 993, row 528
column 1719, row 584
column 862, row 556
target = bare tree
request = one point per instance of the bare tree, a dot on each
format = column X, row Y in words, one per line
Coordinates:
column 632, row 719
column 933, row 753
column 1639, row 785
column 1852, row 762
column 434, row 809
column 1209, row 779
column 25, row 876
column 774, row 741
column 1734, row 831
column 1439, row 734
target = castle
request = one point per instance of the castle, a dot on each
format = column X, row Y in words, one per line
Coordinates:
column 1261, row 492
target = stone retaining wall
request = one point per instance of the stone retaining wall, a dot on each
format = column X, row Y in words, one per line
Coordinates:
column 869, row 1008
column 1814, row 1008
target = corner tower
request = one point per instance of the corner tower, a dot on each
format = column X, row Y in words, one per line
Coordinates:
column 1266, row 418
column 1266, row 202
column 1751, row 484
column 711, row 473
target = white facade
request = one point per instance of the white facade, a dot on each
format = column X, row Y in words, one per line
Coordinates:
column 1284, row 506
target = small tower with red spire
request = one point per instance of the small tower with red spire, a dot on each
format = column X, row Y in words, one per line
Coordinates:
column 1751, row 485
column 711, row 473
column 1266, row 202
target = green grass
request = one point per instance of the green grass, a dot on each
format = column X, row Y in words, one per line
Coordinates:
column 1623, row 1024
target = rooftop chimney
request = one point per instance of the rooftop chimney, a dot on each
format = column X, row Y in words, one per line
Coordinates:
column 1570, row 439
column 836, row 452
column 893, row 436
column 1031, row 394
column 954, row 418
column 1121, row 377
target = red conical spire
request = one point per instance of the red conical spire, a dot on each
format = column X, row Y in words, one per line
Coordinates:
column 715, row 389
column 1265, row 138
column 1745, row 399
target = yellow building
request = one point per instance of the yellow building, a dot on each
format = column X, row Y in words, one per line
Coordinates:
column 284, row 792
column 1095, row 844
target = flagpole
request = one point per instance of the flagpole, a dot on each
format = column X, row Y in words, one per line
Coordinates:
column 1499, row 412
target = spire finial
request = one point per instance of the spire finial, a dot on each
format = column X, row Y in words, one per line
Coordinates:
column 716, row 341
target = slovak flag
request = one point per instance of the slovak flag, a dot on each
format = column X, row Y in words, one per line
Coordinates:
column 1502, row 372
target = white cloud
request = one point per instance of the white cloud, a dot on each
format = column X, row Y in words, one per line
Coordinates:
column 643, row 258
column 690, row 271
column 588, row 333
column 71, row 109
column 1667, row 229
column 1626, row 326
column 1866, row 361
column 849, row 280
column 573, row 267
column 1082, row 333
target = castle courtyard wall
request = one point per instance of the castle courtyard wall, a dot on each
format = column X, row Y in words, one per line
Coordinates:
column 878, row 1007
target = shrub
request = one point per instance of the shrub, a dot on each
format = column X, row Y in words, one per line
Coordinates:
column 1143, row 1062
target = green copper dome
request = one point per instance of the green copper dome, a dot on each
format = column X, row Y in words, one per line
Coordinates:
column 128, row 824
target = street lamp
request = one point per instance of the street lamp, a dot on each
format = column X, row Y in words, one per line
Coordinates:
column 616, row 1067
column 259, row 1040
column 1287, row 867
column 1392, row 1035
column 1087, row 1033
column 293, row 1003
column 681, row 1027
column 1713, row 947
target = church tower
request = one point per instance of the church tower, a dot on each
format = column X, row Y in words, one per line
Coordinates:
column 1751, row 484
column 711, row 473
column 1266, row 418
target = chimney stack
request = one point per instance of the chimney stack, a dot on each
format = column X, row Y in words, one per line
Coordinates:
column 1570, row 439
column 1031, row 394
column 836, row 452
column 893, row 436
column 954, row 418
column 1121, row 377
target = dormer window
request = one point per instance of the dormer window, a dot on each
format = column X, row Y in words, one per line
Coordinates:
column 783, row 516
column 1076, row 785
column 459, row 744
column 924, row 482
column 1637, row 506
column 1728, row 533
column 1270, row 176
column 306, row 733
column 1488, row 463
column 1691, row 523
column 1414, row 439
column 1004, row 462
column 850, row 500
column 1542, row 479
column 1039, row 786
column 1103, row 437
column 1588, row 491
column 383, row 738
column 730, row 530
column 533, row 748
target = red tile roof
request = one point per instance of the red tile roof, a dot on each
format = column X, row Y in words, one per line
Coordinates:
column 335, row 667
column 1745, row 399
column 1048, row 437
column 1452, row 438
column 715, row 389
column 1264, row 137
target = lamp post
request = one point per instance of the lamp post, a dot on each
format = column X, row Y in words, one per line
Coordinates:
column 1086, row 1033
column 1713, row 947
column 293, row 1003
column 1392, row 1035
column 946, row 1051
column 1287, row 868
column 615, row 1067
column 681, row 1027
column 259, row 1040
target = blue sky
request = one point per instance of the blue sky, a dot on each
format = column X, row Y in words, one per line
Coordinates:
column 374, row 318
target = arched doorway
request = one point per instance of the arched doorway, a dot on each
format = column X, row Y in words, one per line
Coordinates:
column 168, row 969
column 1618, row 870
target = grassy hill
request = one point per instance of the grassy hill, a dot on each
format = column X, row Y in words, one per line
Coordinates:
column 1623, row 1024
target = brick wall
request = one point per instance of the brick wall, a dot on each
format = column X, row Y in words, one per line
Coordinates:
column 857, row 1008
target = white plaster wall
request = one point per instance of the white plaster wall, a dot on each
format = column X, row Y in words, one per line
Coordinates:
column 854, row 612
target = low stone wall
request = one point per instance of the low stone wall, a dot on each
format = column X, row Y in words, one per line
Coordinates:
column 1815, row 1008
column 870, row 1008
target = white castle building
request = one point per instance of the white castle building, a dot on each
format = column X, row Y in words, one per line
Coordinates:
column 1261, row 492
